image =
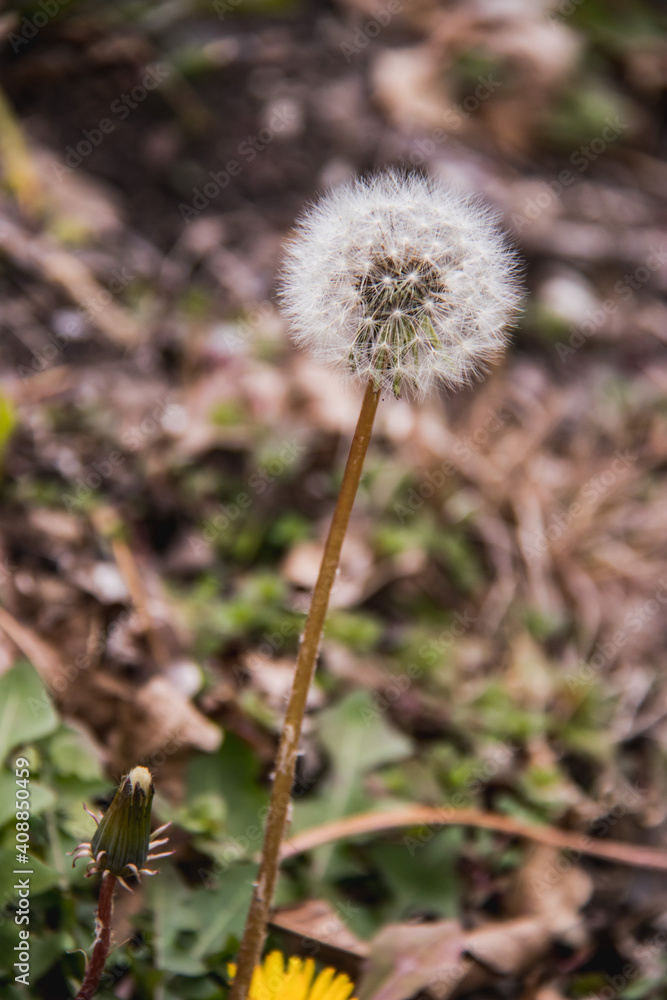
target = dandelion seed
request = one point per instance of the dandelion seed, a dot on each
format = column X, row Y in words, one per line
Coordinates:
column 400, row 280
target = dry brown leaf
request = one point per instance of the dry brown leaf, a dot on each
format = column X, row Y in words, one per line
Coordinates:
column 87, row 206
column 407, row 84
column 405, row 959
column 302, row 565
column 443, row 960
column 508, row 947
column 316, row 929
column 552, row 887
column 61, row 267
column 44, row 659
column 168, row 715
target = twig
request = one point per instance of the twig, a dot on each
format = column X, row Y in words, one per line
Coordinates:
column 373, row 822
column 255, row 928
column 40, row 253
column 44, row 659
column 109, row 523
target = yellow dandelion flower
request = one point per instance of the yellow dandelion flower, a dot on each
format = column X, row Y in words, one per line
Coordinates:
column 295, row 980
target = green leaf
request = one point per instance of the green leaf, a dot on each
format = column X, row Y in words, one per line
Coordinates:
column 72, row 753
column 46, row 950
column 358, row 739
column 421, row 871
column 230, row 779
column 26, row 712
column 191, row 925
column 176, row 925
column 41, row 878
column 222, row 911
column 41, row 798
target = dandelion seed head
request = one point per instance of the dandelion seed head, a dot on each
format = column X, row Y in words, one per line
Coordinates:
column 401, row 280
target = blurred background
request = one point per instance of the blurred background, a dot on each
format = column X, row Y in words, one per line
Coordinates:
column 169, row 463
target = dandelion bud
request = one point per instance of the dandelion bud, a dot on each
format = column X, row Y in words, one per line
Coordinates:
column 123, row 837
column 402, row 281
column 125, row 829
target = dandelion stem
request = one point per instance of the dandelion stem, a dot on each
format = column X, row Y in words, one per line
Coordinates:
column 102, row 939
column 281, row 793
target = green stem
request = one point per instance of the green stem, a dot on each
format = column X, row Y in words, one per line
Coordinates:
column 281, row 793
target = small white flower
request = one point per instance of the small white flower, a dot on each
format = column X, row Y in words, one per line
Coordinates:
column 400, row 280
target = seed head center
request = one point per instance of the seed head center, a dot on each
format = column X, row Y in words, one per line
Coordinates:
column 392, row 289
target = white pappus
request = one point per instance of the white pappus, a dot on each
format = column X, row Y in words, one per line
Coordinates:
column 399, row 279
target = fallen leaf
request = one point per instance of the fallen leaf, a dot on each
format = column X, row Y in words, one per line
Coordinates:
column 407, row 958
column 316, row 929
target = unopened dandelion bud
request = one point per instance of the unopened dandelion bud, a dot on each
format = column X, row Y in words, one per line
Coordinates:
column 401, row 281
column 122, row 838
column 119, row 848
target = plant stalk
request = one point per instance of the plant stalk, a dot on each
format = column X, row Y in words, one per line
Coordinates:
column 281, row 792
column 100, row 953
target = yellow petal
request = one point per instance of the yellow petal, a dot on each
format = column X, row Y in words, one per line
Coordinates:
column 320, row 990
column 275, row 980
column 299, row 977
column 340, row 988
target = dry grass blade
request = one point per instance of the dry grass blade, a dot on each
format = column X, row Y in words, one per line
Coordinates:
column 373, row 822
column 59, row 267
